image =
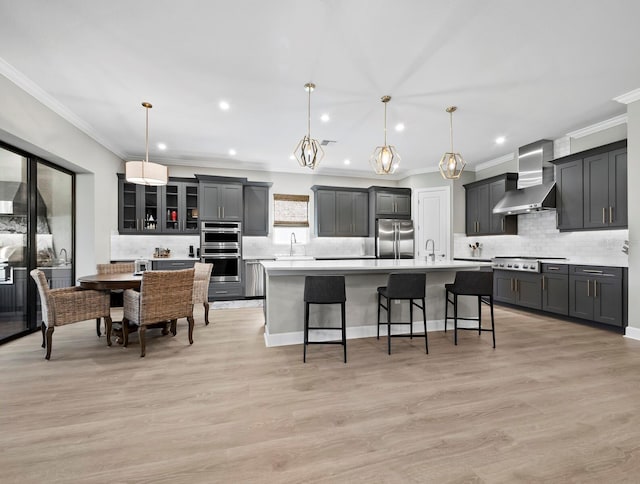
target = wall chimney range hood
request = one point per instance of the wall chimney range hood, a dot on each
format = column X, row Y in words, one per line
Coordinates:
column 536, row 186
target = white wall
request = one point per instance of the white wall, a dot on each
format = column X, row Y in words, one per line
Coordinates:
column 633, row 167
column 28, row 124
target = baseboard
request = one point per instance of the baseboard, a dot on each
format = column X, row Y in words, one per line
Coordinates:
column 632, row 333
column 369, row 331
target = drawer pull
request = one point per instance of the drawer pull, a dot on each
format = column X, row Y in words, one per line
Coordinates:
column 553, row 268
column 592, row 271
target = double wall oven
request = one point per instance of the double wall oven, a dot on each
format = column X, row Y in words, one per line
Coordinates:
column 221, row 245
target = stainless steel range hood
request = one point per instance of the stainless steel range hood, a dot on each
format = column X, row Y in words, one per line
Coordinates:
column 536, row 186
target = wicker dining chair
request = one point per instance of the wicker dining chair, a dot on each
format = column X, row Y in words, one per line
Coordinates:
column 117, row 268
column 164, row 296
column 201, row 287
column 68, row 305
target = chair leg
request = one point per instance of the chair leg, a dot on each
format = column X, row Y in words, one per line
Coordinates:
column 191, row 325
column 446, row 309
column 388, row 326
column 43, row 328
column 479, row 315
column 125, row 332
column 107, row 325
column 410, row 318
column 49, row 338
column 455, row 319
column 141, row 332
column 174, row 327
column 379, row 301
column 98, row 327
column 424, row 316
column 344, row 331
column 206, row 313
column 493, row 329
column 306, row 332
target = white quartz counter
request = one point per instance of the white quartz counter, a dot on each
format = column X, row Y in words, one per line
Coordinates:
column 283, row 267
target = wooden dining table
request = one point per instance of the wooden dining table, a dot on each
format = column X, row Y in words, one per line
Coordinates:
column 109, row 282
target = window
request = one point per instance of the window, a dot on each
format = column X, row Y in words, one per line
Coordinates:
column 290, row 210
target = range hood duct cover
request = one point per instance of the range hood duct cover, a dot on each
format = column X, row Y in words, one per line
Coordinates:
column 536, row 186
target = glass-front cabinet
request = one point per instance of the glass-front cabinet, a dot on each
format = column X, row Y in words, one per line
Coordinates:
column 150, row 209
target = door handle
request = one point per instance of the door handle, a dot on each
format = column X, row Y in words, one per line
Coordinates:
column 595, row 288
column 588, row 288
column 610, row 215
column 543, row 283
column 603, row 215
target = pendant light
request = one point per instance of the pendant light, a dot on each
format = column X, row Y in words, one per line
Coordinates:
column 308, row 152
column 385, row 159
column 146, row 172
column 451, row 163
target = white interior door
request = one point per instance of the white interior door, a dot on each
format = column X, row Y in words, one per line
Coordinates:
column 433, row 221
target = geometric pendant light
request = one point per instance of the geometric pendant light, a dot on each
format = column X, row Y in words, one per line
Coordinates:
column 308, row 152
column 146, row 172
column 385, row 159
column 451, row 164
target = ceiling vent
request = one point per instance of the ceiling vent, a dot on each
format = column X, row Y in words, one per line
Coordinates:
column 325, row 142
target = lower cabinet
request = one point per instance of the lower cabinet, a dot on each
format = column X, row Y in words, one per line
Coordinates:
column 595, row 293
column 225, row 290
column 523, row 289
column 172, row 265
column 555, row 288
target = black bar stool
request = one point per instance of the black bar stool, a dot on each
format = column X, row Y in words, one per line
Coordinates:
column 470, row 283
column 324, row 290
column 403, row 286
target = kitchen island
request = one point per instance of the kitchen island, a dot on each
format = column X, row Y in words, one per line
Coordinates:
column 284, row 289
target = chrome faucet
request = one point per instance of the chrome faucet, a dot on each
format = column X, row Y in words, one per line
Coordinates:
column 293, row 241
column 431, row 255
column 65, row 254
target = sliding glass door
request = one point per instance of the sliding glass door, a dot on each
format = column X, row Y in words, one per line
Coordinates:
column 36, row 230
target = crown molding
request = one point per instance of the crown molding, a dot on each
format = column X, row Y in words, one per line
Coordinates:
column 35, row 91
column 601, row 126
column 496, row 161
column 628, row 97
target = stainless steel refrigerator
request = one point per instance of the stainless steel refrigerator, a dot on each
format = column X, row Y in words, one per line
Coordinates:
column 394, row 239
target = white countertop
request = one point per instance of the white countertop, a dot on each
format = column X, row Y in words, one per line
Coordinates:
column 283, row 267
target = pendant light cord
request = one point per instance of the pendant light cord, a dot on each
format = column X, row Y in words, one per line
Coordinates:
column 309, row 113
column 385, row 124
column 451, row 129
column 146, row 136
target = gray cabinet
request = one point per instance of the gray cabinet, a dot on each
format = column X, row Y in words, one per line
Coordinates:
column 341, row 212
column 256, row 209
column 523, row 289
column 480, row 198
column 387, row 202
column 221, row 201
column 596, row 294
column 172, row 264
column 555, row 288
column 592, row 188
column 139, row 208
column 179, row 210
column 170, row 209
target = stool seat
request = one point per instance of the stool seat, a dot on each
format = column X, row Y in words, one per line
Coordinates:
column 470, row 283
column 403, row 286
column 324, row 290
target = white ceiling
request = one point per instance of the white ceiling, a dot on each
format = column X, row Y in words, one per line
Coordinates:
column 520, row 69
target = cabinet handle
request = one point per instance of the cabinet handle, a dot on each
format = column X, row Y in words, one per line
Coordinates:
column 502, row 223
column 610, row 215
column 595, row 288
column 604, row 221
column 543, row 283
column 592, row 271
column 553, row 268
column 222, row 212
column 588, row 288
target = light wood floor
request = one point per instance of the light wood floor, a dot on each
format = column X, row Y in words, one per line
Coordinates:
column 555, row 402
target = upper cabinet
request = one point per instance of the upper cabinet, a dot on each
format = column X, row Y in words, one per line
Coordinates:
column 592, row 188
column 144, row 209
column 480, row 198
column 256, row 209
column 387, row 202
column 341, row 212
column 221, row 201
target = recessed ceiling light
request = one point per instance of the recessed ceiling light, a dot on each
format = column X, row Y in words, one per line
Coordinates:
column 400, row 127
column 224, row 105
column 162, row 146
column 232, row 152
column 325, row 118
column 292, row 157
column 500, row 140
column 347, row 162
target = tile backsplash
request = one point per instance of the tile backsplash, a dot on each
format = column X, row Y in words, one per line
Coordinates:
column 539, row 237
